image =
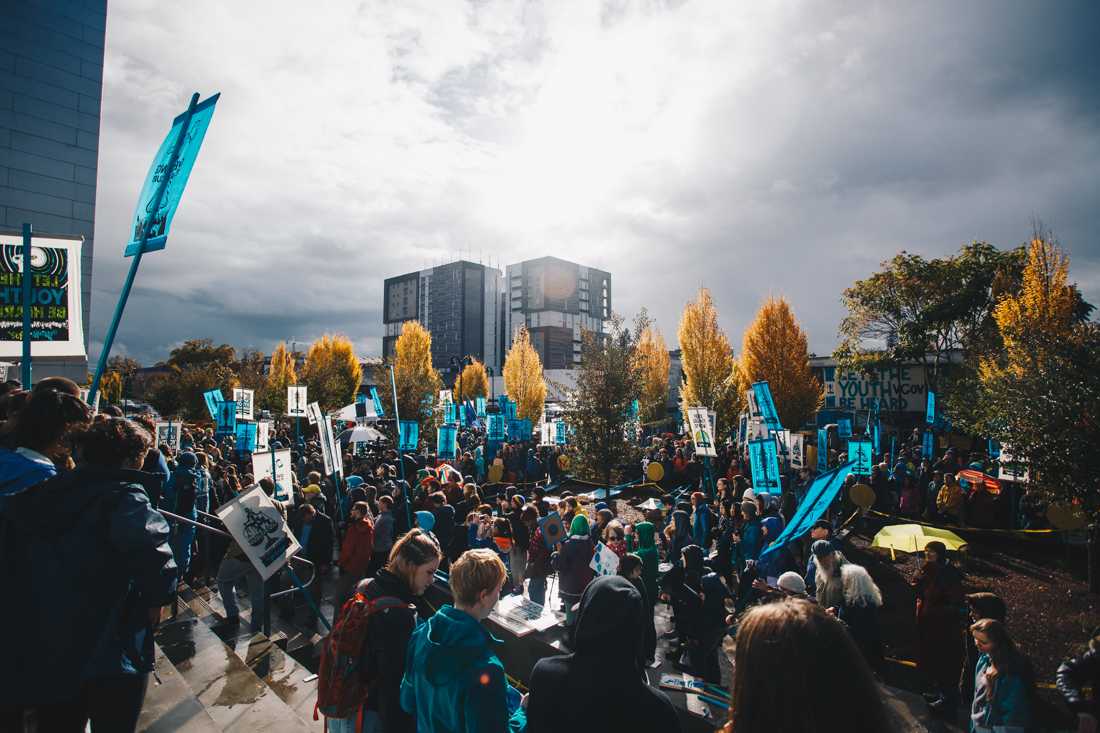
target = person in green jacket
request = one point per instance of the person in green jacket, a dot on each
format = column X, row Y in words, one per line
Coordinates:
column 641, row 541
column 454, row 682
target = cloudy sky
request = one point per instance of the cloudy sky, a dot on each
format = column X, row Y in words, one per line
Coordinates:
column 777, row 148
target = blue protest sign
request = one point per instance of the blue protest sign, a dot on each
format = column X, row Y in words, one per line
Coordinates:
column 860, row 455
column 213, row 397
column 171, row 167
column 559, row 432
column 993, row 448
column 876, row 437
column 246, row 436
column 479, row 404
column 226, row 417
column 893, row 447
column 766, row 405
column 818, row 497
column 446, row 436
column 635, row 406
column 930, row 409
column 764, row 461
column 844, row 427
column 449, row 416
column 509, row 409
column 409, row 435
column 495, row 431
column 822, row 451
column 377, row 402
column 928, row 445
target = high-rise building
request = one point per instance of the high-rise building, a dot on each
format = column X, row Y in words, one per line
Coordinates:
column 557, row 301
column 51, row 82
column 459, row 303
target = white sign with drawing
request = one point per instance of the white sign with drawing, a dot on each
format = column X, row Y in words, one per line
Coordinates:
column 259, row 528
column 702, row 431
column 284, row 481
column 168, row 433
column 296, row 401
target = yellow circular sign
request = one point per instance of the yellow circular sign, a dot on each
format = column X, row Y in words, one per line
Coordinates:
column 563, row 462
column 496, row 472
column 1066, row 516
column 862, row 496
column 655, row 471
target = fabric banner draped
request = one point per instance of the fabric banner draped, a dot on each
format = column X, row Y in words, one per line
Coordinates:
column 817, row 499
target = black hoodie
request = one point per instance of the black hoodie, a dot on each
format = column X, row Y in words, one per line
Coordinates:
column 603, row 681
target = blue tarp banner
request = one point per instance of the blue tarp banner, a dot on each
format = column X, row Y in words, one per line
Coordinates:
column 445, row 441
column 213, row 397
column 410, row 435
column 246, row 436
column 766, row 405
column 226, row 417
column 844, row 427
column 822, row 451
column 860, row 454
column 930, row 409
column 817, row 499
column 177, row 179
column 377, row 402
column 764, row 460
column 519, row 429
column 480, row 404
column 449, row 416
column 496, row 428
column 928, row 445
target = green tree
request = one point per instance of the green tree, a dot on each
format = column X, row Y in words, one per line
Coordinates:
column 332, row 373
column 126, row 368
column 597, row 409
column 197, row 353
column 249, row 369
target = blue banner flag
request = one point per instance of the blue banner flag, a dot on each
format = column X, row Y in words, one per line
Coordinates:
column 822, row 451
column 445, row 441
column 377, row 402
column 519, row 429
column 559, row 432
column 928, row 445
column 449, row 416
column 930, row 409
column 409, row 435
column 860, row 455
column 818, row 497
column 226, row 418
column 893, row 448
column 764, row 461
column 766, row 405
column 480, row 405
column 213, row 397
column 176, row 175
column 844, row 427
column 246, row 436
column 510, row 410
column 993, row 448
column 495, row 431
column 876, row 437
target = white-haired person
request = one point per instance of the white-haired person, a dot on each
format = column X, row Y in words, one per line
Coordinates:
column 859, row 612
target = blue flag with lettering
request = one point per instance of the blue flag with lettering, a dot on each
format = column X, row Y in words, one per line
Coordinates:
column 860, row 454
column 445, row 441
column 495, row 431
column 177, row 174
column 766, row 405
column 246, row 436
column 930, row 409
column 449, row 413
column 844, row 427
column 822, row 450
column 764, row 461
column 410, row 435
column 510, row 409
column 226, row 417
column 928, row 445
column 559, row 432
column 817, row 499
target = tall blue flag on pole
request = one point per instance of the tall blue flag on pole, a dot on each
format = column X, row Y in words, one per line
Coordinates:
column 409, row 435
column 928, row 445
column 480, row 404
column 822, row 450
column 445, row 441
column 930, row 409
column 377, row 402
column 818, row 497
column 766, row 405
column 213, row 397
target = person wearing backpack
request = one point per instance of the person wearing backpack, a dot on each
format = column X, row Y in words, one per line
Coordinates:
column 363, row 658
column 186, row 494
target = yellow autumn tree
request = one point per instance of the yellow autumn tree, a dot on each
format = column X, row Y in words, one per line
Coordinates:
column 280, row 375
column 710, row 371
column 1045, row 303
column 110, row 387
column 472, row 383
column 417, row 382
column 332, row 372
column 774, row 350
column 651, row 356
column 523, row 378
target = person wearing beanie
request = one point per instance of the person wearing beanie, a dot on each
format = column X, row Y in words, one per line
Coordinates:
column 829, row 590
column 752, row 533
column 640, row 540
column 792, row 584
column 821, row 530
column 572, row 562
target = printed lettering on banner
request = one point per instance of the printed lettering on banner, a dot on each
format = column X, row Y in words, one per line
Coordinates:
column 259, row 528
column 168, row 433
column 57, row 327
column 701, row 432
column 244, row 398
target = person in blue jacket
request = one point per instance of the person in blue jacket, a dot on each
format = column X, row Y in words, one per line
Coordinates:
column 454, row 681
column 186, row 494
column 752, row 533
column 1004, row 683
column 91, row 560
column 702, row 520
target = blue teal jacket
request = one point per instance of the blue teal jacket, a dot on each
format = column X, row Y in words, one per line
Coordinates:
column 1009, row 708
column 454, row 682
column 752, row 539
column 701, row 521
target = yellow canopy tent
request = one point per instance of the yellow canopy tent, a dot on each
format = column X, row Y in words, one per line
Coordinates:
column 914, row 538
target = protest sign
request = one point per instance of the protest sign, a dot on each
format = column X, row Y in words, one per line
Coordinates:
column 822, row 450
column 546, row 433
column 764, row 462
column 296, row 401
column 927, row 445
column 817, row 499
column 243, row 398
column 264, row 430
column 930, row 409
column 409, row 435
column 553, row 531
column 479, row 404
column 495, row 432
column 213, row 398
column 260, row 530
column 701, row 434
column 798, row 450
column 246, row 437
column 783, row 441
column 560, row 432
column 57, row 327
column 859, row 453
column 446, row 437
column 445, row 395
column 168, row 433
column 844, row 427
column 226, row 417
column 750, row 403
column 377, row 402
column 284, row 482
column 1011, row 467
column 449, row 413
column 313, row 412
column 604, row 560
column 764, row 403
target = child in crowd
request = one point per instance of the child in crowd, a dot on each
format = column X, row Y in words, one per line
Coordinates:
column 572, row 562
column 615, row 537
column 630, row 567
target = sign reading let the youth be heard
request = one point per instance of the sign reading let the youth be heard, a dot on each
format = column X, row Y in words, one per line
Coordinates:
column 57, row 328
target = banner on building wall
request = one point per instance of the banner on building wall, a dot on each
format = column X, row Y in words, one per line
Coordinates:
column 897, row 389
column 57, row 327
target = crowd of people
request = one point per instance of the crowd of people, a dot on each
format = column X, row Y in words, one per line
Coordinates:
column 91, row 526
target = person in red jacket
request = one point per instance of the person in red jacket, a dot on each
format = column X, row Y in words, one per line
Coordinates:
column 355, row 551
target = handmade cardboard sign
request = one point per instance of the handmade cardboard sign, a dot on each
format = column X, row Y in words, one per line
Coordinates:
column 259, row 528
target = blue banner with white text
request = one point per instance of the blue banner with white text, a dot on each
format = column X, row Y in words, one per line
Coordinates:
column 766, row 405
column 764, row 461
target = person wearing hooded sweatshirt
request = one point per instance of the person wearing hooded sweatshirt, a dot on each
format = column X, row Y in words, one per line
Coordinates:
column 572, row 563
column 454, row 682
column 607, row 664
column 702, row 520
column 640, row 541
column 356, row 552
column 679, row 534
column 186, row 494
column 682, row 587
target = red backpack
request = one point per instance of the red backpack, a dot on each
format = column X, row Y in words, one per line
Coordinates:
column 341, row 684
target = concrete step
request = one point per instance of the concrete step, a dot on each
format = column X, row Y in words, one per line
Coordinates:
column 170, row 706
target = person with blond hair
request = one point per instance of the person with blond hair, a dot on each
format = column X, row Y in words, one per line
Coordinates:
column 454, row 682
